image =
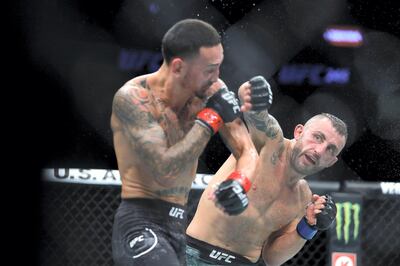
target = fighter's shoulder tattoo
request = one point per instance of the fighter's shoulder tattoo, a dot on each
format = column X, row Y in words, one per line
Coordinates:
column 132, row 104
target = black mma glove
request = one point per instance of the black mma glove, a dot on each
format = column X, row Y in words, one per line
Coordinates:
column 261, row 94
column 231, row 194
column 222, row 107
column 324, row 220
column 327, row 215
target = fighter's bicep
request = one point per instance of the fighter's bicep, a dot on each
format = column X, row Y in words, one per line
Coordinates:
column 150, row 142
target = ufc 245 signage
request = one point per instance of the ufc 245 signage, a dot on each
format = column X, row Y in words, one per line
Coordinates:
column 345, row 234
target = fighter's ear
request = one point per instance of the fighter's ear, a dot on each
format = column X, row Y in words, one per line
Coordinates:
column 177, row 65
column 298, row 131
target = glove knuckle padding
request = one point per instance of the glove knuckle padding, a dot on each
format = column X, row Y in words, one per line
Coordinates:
column 261, row 93
column 223, row 196
column 257, row 81
column 327, row 215
column 228, row 196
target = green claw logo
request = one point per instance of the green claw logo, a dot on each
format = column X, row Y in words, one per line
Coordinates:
column 347, row 217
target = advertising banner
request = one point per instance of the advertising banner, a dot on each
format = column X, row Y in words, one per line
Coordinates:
column 345, row 234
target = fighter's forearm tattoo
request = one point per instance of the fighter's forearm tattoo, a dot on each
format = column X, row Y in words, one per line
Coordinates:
column 150, row 141
column 171, row 162
column 263, row 122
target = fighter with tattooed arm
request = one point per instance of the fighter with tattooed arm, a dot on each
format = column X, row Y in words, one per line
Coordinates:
column 161, row 123
column 282, row 213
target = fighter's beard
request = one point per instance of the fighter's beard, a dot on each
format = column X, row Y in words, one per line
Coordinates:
column 301, row 170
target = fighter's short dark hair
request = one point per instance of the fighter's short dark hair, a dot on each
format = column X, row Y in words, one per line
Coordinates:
column 186, row 37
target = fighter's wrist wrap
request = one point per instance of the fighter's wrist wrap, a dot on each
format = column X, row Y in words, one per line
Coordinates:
column 211, row 119
column 242, row 179
column 305, row 230
column 221, row 107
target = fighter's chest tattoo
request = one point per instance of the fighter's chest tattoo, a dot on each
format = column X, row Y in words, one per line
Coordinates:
column 171, row 126
column 175, row 125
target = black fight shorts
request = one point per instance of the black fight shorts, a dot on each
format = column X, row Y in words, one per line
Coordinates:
column 200, row 253
column 149, row 232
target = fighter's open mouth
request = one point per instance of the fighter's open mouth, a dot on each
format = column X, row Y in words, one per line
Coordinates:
column 310, row 159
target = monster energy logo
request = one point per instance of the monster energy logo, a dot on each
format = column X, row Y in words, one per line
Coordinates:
column 347, row 218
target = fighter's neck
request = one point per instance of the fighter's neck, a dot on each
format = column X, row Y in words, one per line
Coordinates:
column 167, row 90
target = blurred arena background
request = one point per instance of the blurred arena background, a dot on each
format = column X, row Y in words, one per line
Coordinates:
column 340, row 56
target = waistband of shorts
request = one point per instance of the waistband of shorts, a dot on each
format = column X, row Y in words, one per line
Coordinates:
column 157, row 207
column 213, row 254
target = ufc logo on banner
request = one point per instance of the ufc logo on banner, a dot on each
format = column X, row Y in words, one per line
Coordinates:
column 218, row 255
column 230, row 97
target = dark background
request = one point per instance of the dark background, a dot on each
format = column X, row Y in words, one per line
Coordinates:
column 64, row 72
column 70, row 53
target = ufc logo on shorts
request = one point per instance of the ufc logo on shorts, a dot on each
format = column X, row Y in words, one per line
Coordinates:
column 135, row 240
column 143, row 243
column 218, row 255
column 176, row 212
column 229, row 96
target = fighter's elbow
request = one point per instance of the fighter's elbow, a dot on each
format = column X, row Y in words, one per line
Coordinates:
column 272, row 259
column 269, row 262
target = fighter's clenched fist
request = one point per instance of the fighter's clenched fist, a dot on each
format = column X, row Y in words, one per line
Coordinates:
column 320, row 214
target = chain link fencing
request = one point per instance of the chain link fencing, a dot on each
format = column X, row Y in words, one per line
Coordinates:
column 77, row 224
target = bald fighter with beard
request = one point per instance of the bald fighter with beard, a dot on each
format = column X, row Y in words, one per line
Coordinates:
column 282, row 213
